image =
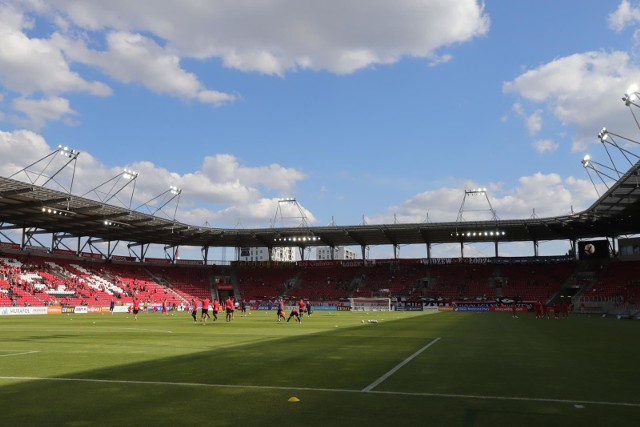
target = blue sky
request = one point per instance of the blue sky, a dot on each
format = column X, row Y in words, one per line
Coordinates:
column 361, row 110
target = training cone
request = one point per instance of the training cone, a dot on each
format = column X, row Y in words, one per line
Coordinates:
column 294, row 399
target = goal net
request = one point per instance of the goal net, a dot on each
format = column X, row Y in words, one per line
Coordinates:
column 370, row 304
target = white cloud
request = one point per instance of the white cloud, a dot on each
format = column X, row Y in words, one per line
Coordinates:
column 145, row 41
column 572, row 87
column 545, row 145
column 546, row 194
column 272, row 177
column 440, row 59
column 534, row 122
column 40, row 111
column 20, row 148
column 133, row 58
column 623, row 16
column 275, row 36
column 518, row 109
column 22, row 59
column 214, row 97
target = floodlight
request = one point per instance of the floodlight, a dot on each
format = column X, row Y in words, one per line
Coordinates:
column 65, row 151
column 129, row 174
column 56, row 211
column 631, row 95
column 586, row 160
column 603, row 134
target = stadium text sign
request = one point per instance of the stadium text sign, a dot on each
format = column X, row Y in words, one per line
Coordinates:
column 22, row 311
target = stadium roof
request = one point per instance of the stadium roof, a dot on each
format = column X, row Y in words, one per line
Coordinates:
column 26, row 206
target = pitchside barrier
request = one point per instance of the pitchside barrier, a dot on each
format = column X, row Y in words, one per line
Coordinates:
column 80, row 309
column 355, row 304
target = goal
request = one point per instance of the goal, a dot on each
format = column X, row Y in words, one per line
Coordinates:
column 370, row 304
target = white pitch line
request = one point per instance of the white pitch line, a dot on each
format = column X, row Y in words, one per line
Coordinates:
column 330, row 390
column 146, row 330
column 516, row 398
column 258, row 387
column 17, row 352
column 398, row 366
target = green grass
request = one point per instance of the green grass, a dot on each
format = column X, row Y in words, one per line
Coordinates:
column 485, row 369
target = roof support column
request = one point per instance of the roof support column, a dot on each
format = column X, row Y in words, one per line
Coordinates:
column 461, row 249
column 363, row 249
column 429, row 252
column 535, row 249
column 614, row 250
column 495, row 249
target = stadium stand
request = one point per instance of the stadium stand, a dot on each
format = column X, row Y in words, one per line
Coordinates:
column 618, row 283
column 46, row 280
column 257, row 282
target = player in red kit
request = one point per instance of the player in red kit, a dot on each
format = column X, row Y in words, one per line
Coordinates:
column 294, row 313
column 539, row 310
column 136, row 308
column 205, row 310
column 301, row 307
column 280, row 309
column 229, row 307
column 194, row 310
column 216, row 309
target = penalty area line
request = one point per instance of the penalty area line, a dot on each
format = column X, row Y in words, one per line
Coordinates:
column 325, row 390
column 17, row 352
column 377, row 382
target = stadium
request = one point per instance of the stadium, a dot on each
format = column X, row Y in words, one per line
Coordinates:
column 115, row 310
column 383, row 336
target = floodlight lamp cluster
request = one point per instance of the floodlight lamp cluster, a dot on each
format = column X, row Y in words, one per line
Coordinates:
column 479, row 234
column 630, row 98
column 129, row 174
column 603, row 135
column 55, row 211
column 297, row 239
column 175, row 190
column 67, row 152
column 586, row 160
column 476, row 191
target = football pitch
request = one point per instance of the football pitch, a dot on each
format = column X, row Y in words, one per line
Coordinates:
column 449, row 369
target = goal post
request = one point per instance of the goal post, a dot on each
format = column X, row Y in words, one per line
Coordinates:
column 370, row 304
